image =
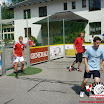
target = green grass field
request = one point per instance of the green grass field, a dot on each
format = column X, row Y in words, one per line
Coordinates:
column 28, row 71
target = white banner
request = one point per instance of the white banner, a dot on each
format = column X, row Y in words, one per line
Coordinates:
column 0, row 62
column 70, row 46
column 56, row 51
column 0, row 65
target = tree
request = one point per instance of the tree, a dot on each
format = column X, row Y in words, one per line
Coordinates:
column 16, row 1
column 6, row 13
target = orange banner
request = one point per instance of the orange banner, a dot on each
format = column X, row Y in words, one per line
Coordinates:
column 38, row 54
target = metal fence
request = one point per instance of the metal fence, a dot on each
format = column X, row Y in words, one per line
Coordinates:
column 7, row 58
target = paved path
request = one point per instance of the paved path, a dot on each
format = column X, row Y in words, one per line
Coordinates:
column 54, row 85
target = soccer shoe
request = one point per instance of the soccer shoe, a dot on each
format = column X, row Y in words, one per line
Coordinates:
column 16, row 75
column 79, row 70
column 22, row 72
column 81, row 94
column 70, row 69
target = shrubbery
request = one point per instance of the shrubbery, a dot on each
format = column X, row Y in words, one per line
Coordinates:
column 8, row 42
column 36, row 42
column 72, row 30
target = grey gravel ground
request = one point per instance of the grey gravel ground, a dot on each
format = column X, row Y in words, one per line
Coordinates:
column 54, row 85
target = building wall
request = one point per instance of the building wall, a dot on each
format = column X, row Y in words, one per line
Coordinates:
column 54, row 7
column 92, row 16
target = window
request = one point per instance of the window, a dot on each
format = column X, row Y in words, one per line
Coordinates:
column 9, row 36
column 94, row 5
column 65, row 6
column 28, row 14
column 73, row 5
column 2, row 36
column 29, row 32
column 42, row 11
column 8, row 29
column 12, row 36
column 12, row 29
column 5, row 30
column 95, row 28
column 5, row 36
column 83, row 3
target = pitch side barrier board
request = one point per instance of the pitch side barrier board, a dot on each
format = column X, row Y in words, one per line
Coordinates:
column 69, row 48
column 38, row 54
column 56, row 51
column 0, row 64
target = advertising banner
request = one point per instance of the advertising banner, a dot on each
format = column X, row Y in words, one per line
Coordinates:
column 38, row 54
column 69, row 48
column 0, row 65
column 56, row 51
column 0, row 62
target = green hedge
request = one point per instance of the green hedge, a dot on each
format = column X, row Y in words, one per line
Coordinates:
column 72, row 30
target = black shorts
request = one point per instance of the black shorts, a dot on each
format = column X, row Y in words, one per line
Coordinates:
column 79, row 57
column 95, row 73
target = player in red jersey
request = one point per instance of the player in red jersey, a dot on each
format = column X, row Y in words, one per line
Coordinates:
column 31, row 42
column 18, row 49
column 78, row 51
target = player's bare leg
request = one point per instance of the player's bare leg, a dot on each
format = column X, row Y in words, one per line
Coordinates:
column 71, row 67
column 96, row 79
column 16, row 65
column 79, row 64
column 22, row 66
column 15, row 70
column 85, row 80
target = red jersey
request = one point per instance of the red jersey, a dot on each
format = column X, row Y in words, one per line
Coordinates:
column 18, row 49
column 31, row 43
column 78, row 44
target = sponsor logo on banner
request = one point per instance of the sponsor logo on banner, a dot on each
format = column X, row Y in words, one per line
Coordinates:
column 0, row 62
column 70, row 46
column 97, row 90
column 38, row 54
column 0, row 66
column 56, row 51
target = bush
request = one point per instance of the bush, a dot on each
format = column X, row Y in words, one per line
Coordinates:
column 8, row 42
column 36, row 42
column 58, row 40
column 72, row 30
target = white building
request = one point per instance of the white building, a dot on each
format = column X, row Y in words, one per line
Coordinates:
column 93, row 10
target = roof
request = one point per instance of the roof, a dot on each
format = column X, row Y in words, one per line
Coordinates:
column 67, row 16
column 7, row 21
column 28, row 2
